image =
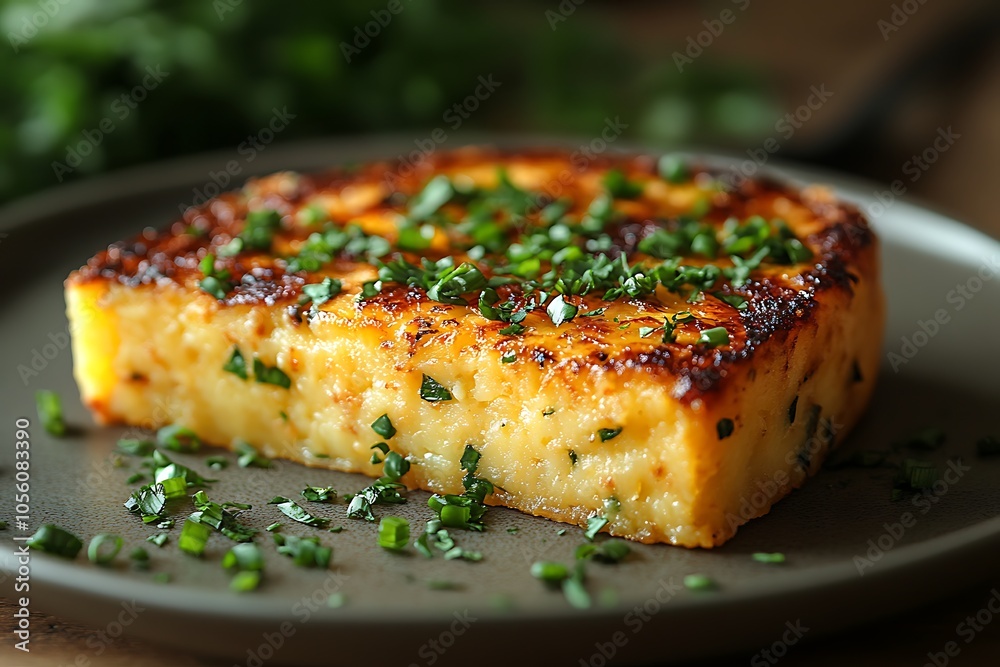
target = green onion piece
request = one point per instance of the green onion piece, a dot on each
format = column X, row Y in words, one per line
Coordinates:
column 395, row 466
column 560, row 311
column 575, row 593
column 217, row 462
column 436, row 193
column 319, row 494
column 141, row 558
column 103, row 548
column 673, row 168
column 136, row 447
column 159, row 539
column 273, row 527
column 606, row 434
column 244, row 556
column 383, row 426
column 699, row 582
column 249, row 456
column 245, row 581
column 508, row 358
column 336, row 600
column 178, row 439
column 50, row 412
column 174, row 487
column 162, row 577
column 432, row 391
column 619, row 186
column 135, row 478
column 714, row 337
column 549, row 572
column 393, row 532
column 215, row 287
column 194, row 537
column 54, row 540
column 594, row 526
column 237, row 364
column 320, row 293
column 270, row 374
column 294, row 511
column 776, row 557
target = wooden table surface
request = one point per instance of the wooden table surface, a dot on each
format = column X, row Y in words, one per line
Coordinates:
column 962, row 183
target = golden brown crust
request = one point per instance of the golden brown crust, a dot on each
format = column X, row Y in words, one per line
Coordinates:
column 779, row 298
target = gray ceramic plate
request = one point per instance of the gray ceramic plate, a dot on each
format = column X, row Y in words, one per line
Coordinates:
column 496, row 610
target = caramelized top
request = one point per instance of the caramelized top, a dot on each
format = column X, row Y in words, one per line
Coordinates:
column 611, row 263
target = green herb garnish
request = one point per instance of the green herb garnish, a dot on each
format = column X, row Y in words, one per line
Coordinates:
column 178, row 439
column 270, row 374
column 49, row 407
column 432, row 391
column 393, row 533
column 237, row 364
column 724, row 428
column 193, row 537
column 606, row 434
column 383, row 426
column 294, row 511
column 103, row 548
column 714, row 337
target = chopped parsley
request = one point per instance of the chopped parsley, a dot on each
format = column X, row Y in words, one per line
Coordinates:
column 619, row 186
column 559, row 310
column 178, row 438
column 259, row 229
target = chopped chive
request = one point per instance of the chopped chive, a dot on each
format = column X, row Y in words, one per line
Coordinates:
column 673, row 168
column 244, row 556
column 140, row 557
column 294, row 511
column 775, row 557
column 193, row 537
column 393, row 533
column 135, row 478
column 714, row 337
column 217, row 462
column 178, row 438
column 158, row 539
column 619, row 186
column 162, row 577
column 237, row 364
column 383, row 426
column 245, row 581
column 49, row 407
column 304, row 551
column 549, row 572
column 594, row 526
column 576, row 595
column 606, row 434
column 336, row 600
column 436, row 193
column 432, row 391
column 645, row 332
column 512, row 330
column 103, row 548
column 560, row 311
column 273, row 527
column 136, row 447
column 270, row 374
column 508, row 358
column 249, row 456
column 699, row 582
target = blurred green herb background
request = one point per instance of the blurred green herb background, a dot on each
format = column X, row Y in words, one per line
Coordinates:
column 229, row 63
